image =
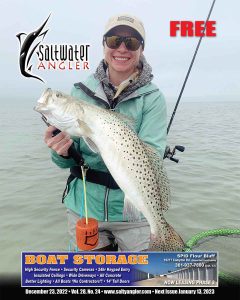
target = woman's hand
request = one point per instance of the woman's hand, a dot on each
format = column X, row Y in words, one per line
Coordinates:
column 59, row 143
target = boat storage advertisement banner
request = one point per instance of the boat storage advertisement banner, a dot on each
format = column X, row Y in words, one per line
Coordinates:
column 120, row 269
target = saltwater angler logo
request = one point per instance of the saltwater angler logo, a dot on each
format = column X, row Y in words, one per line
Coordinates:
column 50, row 56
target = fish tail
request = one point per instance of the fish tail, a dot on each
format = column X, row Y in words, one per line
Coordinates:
column 166, row 239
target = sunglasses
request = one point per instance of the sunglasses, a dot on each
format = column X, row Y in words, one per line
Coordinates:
column 115, row 41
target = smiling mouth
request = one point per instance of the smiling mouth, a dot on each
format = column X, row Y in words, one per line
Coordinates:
column 117, row 58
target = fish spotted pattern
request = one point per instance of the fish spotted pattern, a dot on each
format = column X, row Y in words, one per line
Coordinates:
column 136, row 166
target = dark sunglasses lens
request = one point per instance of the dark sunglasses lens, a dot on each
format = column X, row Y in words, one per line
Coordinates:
column 113, row 42
column 132, row 43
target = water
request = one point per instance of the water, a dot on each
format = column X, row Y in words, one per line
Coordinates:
column 205, row 183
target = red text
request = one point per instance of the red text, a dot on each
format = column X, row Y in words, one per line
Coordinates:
column 189, row 28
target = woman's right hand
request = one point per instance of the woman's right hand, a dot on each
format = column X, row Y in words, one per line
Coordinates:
column 59, row 143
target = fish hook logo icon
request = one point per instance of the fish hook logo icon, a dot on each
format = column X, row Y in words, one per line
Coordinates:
column 27, row 49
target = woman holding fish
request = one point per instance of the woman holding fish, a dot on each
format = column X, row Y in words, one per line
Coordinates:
column 122, row 83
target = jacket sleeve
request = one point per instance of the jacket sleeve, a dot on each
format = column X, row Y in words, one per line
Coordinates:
column 153, row 129
column 67, row 162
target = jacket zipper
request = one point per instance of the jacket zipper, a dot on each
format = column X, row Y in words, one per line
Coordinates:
column 106, row 204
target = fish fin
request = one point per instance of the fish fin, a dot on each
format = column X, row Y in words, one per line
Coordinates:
column 91, row 144
column 86, row 132
column 81, row 129
column 130, row 212
column 166, row 239
column 161, row 175
column 84, row 127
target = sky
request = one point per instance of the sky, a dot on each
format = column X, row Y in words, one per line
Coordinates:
column 215, row 74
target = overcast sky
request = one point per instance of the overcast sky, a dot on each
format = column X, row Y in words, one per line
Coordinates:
column 215, row 73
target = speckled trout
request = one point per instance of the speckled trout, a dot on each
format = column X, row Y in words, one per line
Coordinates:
column 136, row 166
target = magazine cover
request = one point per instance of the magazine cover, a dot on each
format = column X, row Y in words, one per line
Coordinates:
column 120, row 137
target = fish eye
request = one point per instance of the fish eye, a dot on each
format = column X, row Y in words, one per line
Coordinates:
column 58, row 95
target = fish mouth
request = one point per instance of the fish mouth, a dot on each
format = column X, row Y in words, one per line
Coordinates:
column 40, row 108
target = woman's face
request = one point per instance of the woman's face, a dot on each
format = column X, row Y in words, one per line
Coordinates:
column 121, row 59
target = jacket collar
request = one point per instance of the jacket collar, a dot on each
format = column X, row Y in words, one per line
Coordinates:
column 96, row 87
column 99, row 92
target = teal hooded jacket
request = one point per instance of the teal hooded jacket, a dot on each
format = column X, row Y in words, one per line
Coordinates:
column 148, row 108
